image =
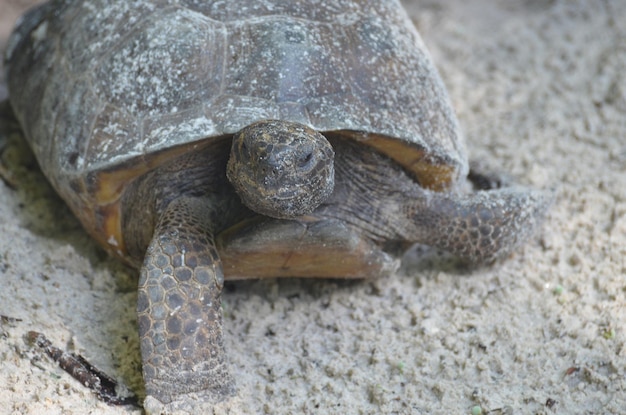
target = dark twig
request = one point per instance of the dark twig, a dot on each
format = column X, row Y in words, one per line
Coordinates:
column 83, row 371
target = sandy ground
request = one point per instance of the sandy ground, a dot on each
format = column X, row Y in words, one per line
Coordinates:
column 540, row 89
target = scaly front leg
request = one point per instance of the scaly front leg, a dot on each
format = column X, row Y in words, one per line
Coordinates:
column 179, row 312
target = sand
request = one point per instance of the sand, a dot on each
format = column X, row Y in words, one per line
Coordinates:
column 540, row 90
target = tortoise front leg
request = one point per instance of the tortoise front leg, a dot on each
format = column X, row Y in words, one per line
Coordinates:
column 479, row 227
column 179, row 312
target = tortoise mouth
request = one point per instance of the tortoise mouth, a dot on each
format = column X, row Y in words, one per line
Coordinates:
column 281, row 169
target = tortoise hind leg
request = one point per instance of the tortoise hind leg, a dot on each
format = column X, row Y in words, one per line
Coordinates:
column 179, row 312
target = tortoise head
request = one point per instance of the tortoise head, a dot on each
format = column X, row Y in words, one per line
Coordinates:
column 281, row 169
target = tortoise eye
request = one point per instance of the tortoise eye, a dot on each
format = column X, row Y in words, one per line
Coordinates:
column 305, row 160
column 244, row 150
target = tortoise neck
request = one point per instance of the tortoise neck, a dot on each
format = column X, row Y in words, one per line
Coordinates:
column 200, row 174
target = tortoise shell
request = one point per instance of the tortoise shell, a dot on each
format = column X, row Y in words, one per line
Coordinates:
column 109, row 90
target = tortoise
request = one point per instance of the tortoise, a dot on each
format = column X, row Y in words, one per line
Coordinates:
column 208, row 140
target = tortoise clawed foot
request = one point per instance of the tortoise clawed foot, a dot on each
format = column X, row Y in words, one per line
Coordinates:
column 505, row 219
column 201, row 402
